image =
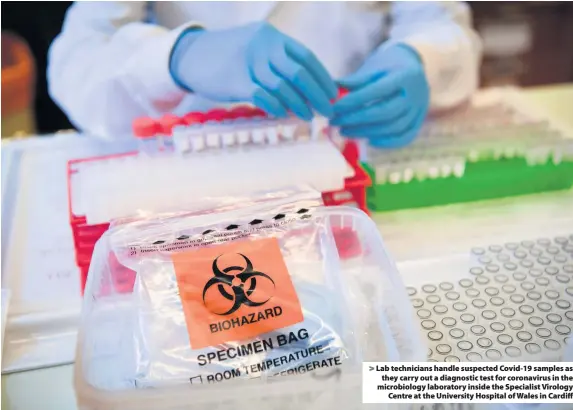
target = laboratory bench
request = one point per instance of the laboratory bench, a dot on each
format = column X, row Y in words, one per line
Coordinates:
column 408, row 234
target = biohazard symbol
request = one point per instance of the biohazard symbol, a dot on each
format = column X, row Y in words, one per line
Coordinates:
column 236, row 286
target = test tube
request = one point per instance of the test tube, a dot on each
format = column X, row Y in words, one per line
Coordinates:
column 181, row 142
column 272, row 131
column 459, row 166
column 146, row 130
column 317, row 127
column 228, row 137
column 258, row 118
column 295, row 128
column 288, row 129
column 168, row 122
column 214, row 121
column 189, row 136
column 194, row 135
column 303, row 129
column 241, row 115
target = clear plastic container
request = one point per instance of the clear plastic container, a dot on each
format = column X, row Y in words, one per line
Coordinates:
column 149, row 348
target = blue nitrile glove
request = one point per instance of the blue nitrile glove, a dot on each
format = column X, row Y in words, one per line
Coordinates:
column 254, row 63
column 388, row 98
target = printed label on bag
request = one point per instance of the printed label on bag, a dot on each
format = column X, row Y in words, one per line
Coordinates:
column 235, row 291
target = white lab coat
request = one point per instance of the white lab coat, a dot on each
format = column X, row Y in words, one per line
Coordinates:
column 109, row 65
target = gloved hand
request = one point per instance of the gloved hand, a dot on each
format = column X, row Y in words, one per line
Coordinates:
column 388, row 98
column 254, row 63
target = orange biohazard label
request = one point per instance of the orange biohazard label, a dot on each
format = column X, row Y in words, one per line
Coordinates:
column 235, row 291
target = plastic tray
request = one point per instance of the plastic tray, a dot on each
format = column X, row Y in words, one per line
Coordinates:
column 504, row 302
column 442, row 257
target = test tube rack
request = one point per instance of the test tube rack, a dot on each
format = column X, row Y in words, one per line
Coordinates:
column 240, row 126
column 495, row 147
column 86, row 230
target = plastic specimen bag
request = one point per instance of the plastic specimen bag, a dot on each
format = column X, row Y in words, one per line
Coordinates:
column 244, row 307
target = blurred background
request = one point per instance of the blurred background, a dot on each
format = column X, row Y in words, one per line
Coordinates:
column 525, row 44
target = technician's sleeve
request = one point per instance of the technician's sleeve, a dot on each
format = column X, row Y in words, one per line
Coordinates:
column 109, row 66
column 450, row 49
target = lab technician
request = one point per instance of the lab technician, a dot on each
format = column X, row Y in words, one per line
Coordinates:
column 115, row 61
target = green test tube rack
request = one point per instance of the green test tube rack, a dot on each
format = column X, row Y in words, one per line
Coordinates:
column 464, row 162
column 481, row 180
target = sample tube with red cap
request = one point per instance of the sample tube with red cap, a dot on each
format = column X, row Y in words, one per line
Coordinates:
column 241, row 115
column 214, row 127
column 294, row 128
column 146, row 131
column 167, row 123
column 190, row 136
column 258, row 118
column 227, row 126
column 332, row 132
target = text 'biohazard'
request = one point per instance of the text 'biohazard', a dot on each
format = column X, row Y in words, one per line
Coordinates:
column 235, row 291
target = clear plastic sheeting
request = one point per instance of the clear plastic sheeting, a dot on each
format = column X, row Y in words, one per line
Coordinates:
column 242, row 308
column 506, row 302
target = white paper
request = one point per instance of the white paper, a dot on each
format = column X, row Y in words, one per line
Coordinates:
column 39, row 267
column 49, row 268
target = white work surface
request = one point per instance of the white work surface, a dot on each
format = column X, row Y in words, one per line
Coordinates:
column 408, row 234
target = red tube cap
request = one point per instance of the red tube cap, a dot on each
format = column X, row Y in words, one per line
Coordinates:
column 218, row 114
column 242, row 111
column 194, row 118
column 168, row 121
column 342, row 92
column 145, row 127
column 257, row 112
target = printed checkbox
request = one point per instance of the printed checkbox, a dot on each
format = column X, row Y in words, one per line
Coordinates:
column 196, row 380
